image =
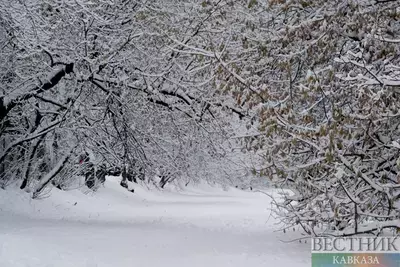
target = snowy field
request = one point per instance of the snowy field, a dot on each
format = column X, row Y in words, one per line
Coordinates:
column 200, row 226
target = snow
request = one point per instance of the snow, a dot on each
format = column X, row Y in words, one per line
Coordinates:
column 201, row 225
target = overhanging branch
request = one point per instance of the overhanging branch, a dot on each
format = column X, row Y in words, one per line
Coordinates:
column 5, row 108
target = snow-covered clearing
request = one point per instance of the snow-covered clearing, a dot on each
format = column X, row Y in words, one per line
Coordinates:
column 200, row 226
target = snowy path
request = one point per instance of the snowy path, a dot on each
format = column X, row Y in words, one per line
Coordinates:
column 200, row 227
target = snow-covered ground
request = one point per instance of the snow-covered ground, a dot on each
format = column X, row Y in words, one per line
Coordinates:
column 200, row 226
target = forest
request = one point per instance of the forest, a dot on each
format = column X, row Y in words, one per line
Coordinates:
column 299, row 95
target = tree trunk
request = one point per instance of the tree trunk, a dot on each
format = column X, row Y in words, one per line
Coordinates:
column 45, row 180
